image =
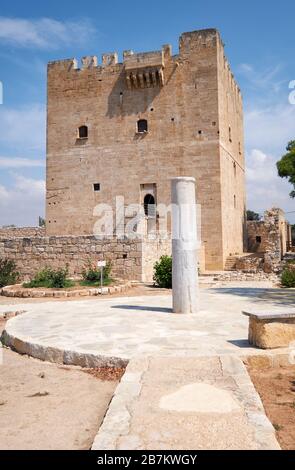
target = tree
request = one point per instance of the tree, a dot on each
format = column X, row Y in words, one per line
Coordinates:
column 41, row 221
column 286, row 166
column 251, row 215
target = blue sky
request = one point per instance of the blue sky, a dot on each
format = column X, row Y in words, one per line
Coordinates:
column 259, row 40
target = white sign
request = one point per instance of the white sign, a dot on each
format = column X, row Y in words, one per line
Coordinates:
column 101, row 264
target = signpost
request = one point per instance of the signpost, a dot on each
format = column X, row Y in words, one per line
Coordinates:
column 101, row 265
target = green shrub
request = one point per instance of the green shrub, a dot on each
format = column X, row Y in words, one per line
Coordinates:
column 51, row 278
column 59, row 278
column 91, row 274
column 163, row 272
column 288, row 278
column 8, row 273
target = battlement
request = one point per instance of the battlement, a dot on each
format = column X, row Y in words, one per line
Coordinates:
column 147, row 69
column 131, row 60
column 141, row 60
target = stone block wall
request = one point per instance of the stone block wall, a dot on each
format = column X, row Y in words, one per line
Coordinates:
column 32, row 254
column 13, row 232
column 131, row 259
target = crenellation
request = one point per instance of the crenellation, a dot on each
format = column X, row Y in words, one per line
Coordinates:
column 109, row 59
column 89, row 62
column 63, row 65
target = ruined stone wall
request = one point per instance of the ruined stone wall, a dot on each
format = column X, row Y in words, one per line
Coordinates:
column 269, row 236
column 13, row 232
column 185, row 137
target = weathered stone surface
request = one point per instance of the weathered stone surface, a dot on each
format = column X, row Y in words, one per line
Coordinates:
column 184, row 246
column 14, row 232
column 269, row 334
column 269, row 237
column 130, row 259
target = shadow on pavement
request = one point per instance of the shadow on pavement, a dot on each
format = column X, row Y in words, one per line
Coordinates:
column 143, row 307
column 271, row 296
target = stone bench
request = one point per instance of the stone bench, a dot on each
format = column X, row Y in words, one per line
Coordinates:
column 268, row 330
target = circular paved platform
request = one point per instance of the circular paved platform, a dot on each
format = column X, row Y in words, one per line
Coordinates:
column 100, row 332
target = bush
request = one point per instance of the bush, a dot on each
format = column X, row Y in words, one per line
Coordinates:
column 288, row 278
column 163, row 272
column 91, row 274
column 8, row 273
column 51, row 278
column 59, row 278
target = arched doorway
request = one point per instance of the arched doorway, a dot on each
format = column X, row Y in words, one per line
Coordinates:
column 149, row 205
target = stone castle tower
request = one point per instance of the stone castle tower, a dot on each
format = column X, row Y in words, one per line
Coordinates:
column 125, row 129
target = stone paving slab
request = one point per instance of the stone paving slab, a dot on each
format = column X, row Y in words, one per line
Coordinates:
column 271, row 315
column 113, row 331
column 189, row 403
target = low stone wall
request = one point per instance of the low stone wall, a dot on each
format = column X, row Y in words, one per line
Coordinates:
column 131, row 259
column 33, row 254
column 16, row 232
column 19, row 291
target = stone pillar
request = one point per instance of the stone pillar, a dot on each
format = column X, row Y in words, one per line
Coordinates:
column 184, row 246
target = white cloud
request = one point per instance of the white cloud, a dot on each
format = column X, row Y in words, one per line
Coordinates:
column 270, row 127
column 267, row 79
column 269, row 122
column 267, row 132
column 265, row 189
column 44, row 33
column 23, row 202
column 11, row 162
column 23, row 127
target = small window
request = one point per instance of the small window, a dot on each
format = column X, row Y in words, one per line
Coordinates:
column 235, row 201
column 258, row 239
column 96, row 186
column 229, row 134
column 235, row 169
column 83, row 132
column 149, row 205
column 142, row 126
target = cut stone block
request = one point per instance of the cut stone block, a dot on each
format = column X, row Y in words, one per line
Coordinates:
column 271, row 330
